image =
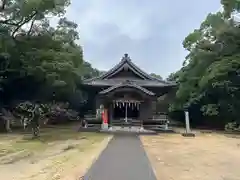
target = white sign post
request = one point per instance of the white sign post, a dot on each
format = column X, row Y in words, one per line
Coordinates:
column 188, row 132
column 187, row 122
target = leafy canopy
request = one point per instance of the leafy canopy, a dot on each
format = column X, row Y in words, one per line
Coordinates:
column 31, row 48
column 209, row 80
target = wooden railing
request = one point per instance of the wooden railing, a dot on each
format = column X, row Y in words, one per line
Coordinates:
column 91, row 120
column 157, row 121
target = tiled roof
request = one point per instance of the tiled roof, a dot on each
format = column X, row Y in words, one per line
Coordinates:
column 127, row 84
column 145, row 80
column 112, row 82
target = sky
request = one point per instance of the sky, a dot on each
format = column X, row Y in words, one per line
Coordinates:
column 151, row 32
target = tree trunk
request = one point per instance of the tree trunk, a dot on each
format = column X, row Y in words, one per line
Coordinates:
column 35, row 132
column 8, row 125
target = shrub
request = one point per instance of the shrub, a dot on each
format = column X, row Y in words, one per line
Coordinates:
column 232, row 126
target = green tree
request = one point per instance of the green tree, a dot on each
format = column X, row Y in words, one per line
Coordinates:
column 38, row 61
column 89, row 71
column 156, row 76
column 230, row 6
column 208, row 83
column 32, row 50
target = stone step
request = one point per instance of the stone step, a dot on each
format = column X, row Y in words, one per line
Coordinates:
column 126, row 124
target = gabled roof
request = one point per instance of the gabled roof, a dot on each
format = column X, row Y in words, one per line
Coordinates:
column 140, row 82
column 126, row 63
column 127, row 84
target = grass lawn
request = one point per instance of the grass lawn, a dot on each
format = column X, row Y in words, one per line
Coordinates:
column 205, row 157
column 60, row 153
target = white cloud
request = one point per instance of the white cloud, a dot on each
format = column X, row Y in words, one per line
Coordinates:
column 150, row 31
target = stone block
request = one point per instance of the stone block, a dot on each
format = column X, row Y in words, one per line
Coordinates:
column 188, row 134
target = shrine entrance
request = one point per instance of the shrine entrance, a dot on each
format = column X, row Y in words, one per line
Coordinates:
column 126, row 110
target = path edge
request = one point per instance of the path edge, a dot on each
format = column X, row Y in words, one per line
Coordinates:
column 147, row 154
column 103, row 145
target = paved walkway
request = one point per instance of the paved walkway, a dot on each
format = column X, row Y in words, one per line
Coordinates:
column 123, row 159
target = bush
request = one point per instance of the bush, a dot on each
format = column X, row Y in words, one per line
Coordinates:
column 232, row 127
column 60, row 114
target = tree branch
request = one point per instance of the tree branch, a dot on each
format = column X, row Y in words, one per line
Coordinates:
column 31, row 27
column 8, row 23
column 24, row 22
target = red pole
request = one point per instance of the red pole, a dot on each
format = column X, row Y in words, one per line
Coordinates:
column 105, row 116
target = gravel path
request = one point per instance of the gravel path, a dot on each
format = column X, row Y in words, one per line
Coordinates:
column 123, row 159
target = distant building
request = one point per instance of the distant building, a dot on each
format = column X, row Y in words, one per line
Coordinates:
column 127, row 92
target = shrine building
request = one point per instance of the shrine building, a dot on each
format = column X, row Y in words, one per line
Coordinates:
column 127, row 92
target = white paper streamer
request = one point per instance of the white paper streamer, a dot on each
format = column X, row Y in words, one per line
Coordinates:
column 127, row 103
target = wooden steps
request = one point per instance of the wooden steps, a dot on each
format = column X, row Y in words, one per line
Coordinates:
column 121, row 122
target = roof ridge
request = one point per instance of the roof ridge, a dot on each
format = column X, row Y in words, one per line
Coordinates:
column 139, row 71
column 109, row 71
column 129, row 84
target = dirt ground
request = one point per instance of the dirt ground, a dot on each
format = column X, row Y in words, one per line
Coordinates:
column 205, row 157
column 60, row 154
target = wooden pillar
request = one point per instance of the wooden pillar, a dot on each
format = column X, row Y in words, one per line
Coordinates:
column 148, row 108
column 110, row 113
column 97, row 102
column 154, row 107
